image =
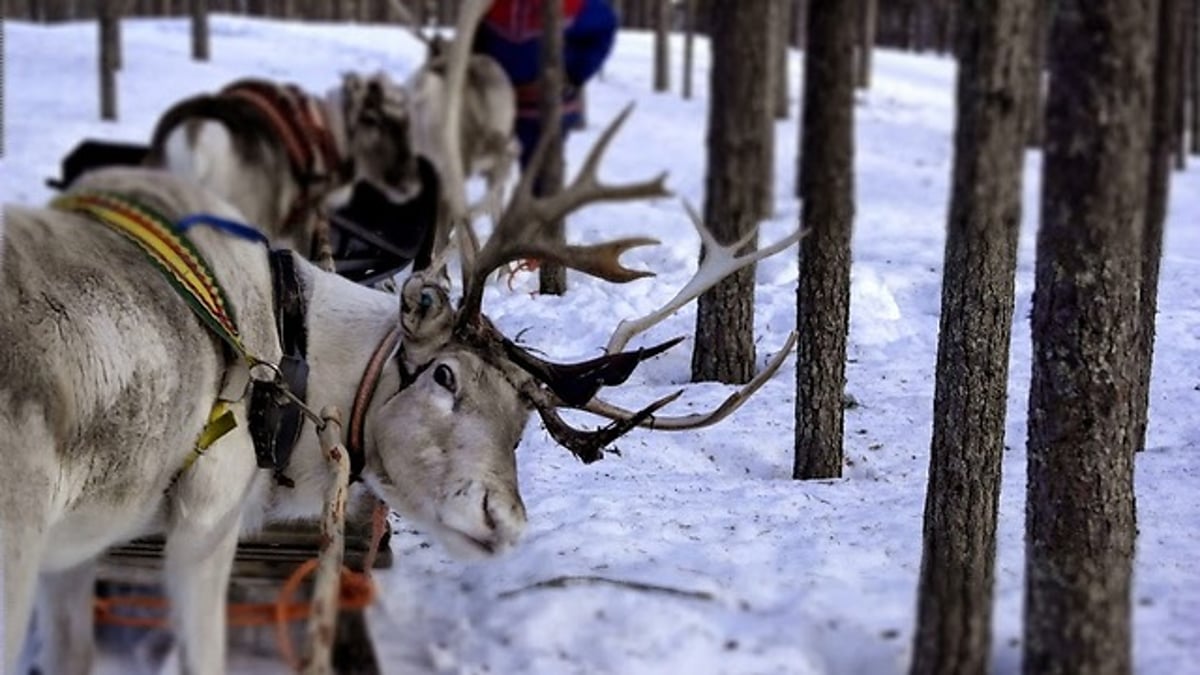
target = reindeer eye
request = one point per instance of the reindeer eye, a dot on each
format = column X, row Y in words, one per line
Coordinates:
column 444, row 377
column 426, row 299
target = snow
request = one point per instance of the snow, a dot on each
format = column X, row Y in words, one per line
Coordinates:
column 779, row 576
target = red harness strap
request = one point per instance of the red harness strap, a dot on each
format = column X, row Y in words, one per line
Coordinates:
column 301, row 126
column 299, row 123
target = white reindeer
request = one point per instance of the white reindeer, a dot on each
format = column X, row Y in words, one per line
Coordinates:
column 237, row 145
column 107, row 378
column 478, row 110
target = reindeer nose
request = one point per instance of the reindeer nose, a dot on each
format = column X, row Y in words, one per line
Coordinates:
column 492, row 518
column 505, row 517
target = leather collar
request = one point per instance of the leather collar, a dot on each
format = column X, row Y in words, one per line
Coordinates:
column 367, row 384
column 276, row 423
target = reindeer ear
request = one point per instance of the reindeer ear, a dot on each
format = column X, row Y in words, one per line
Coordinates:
column 426, row 317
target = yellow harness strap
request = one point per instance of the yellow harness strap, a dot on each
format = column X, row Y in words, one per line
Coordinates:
column 187, row 272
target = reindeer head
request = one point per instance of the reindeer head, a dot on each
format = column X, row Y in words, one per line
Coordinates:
column 460, row 394
column 457, row 394
column 378, row 134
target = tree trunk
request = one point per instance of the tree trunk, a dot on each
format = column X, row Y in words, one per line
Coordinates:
column 2, row 57
column 689, row 39
column 1182, row 76
column 1193, row 25
column 866, row 42
column 947, row 25
column 109, row 47
column 57, row 11
column 738, row 159
column 1039, row 37
column 954, row 600
column 199, row 12
column 552, row 278
column 119, row 8
column 1163, row 127
column 779, row 53
column 1080, row 502
column 799, row 23
column 662, row 45
column 827, row 191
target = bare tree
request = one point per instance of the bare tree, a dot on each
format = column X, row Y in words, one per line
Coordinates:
column 738, row 160
column 827, row 191
column 1167, row 101
column 799, row 23
column 1080, row 518
column 199, row 12
column 866, row 41
column 779, row 54
column 1039, row 37
column 662, row 45
column 1182, row 76
column 552, row 278
column 689, row 40
column 2, row 52
column 109, row 46
column 954, row 600
column 1193, row 25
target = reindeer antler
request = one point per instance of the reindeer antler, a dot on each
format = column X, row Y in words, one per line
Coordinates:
column 469, row 15
column 720, row 261
column 522, row 230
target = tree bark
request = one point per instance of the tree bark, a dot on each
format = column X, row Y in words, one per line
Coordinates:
column 1038, row 37
column 1182, row 76
column 552, row 278
column 2, row 107
column 109, row 47
column 689, row 39
column 866, row 43
column 200, row 46
column 954, row 600
column 738, row 159
column 799, row 23
column 1080, row 522
column 827, row 191
column 1167, row 99
column 57, row 11
column 1193, row 25
column 662, row 45
column 947, row 25
column 781, row 39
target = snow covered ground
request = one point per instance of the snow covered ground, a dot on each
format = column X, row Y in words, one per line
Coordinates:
column 780, row 576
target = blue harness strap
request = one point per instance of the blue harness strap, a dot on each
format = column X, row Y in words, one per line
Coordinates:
column 224, row 224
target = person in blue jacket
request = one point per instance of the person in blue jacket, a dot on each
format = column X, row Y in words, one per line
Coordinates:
column 511, row 33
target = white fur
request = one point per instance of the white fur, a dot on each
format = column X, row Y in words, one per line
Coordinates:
column 486, row 137
column 114, row 382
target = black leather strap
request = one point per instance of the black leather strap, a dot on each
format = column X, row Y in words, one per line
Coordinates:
column 275, row 422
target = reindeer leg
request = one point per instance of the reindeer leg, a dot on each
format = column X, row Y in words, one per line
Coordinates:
column 198, row 566
column 23, row 541
column 25, row 492
column 65, row 620
column 201, row 543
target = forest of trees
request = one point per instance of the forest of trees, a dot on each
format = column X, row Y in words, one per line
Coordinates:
column 1110, row 90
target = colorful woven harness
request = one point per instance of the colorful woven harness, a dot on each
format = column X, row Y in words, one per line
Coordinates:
column 188, row 273
column 304, row 132
column 173, row 254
